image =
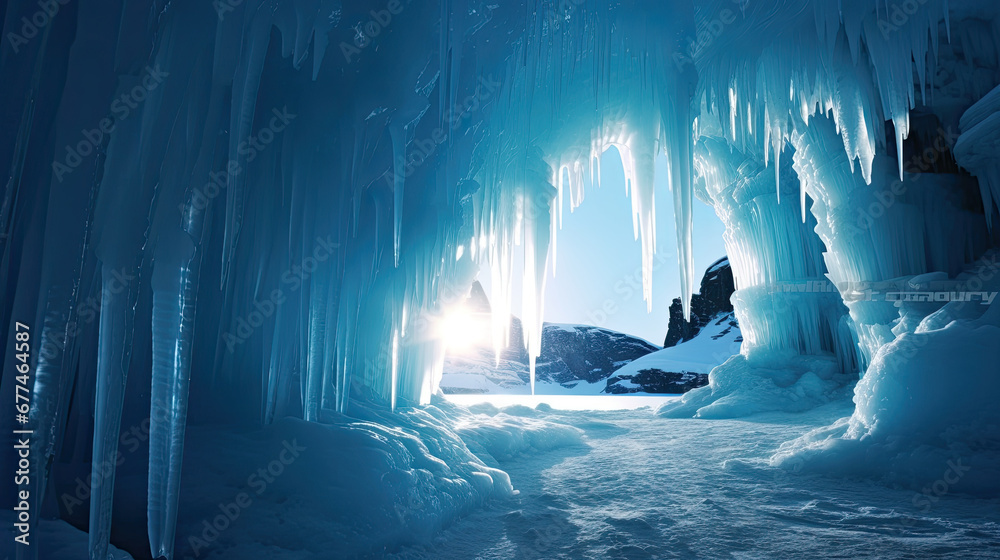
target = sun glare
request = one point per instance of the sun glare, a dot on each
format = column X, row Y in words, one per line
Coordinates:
column 463, row 330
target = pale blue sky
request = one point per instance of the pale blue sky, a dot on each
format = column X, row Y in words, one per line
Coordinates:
column 599, row 261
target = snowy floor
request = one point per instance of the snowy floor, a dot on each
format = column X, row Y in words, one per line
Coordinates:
column 56, row 540
column 622, row 484
column 644, row 487
column 567, row 402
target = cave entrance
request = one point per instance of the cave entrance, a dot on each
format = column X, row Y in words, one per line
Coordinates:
column 600, row 340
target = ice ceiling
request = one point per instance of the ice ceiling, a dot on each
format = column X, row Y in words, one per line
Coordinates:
column 285, row 196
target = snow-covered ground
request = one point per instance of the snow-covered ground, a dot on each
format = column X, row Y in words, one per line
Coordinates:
column 712, row 346
column 582, row 484
column 566, row 402
column 476, row 383
column 641, row 487
column 55, row 539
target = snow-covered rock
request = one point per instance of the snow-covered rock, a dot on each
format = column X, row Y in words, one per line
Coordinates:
column 682, row 367
column 717, row 287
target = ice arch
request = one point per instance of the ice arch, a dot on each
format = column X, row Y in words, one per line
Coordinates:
column 274, row 220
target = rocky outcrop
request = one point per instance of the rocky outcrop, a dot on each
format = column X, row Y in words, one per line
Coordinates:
column 656, row 381
column 717, row 287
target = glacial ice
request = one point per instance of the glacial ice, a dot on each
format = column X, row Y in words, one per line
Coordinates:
column 308, row 281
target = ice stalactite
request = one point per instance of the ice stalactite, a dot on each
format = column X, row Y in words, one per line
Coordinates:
column 586, row 97
column 245, row 88
column 176, row 232
column 57, row 305
column 638, row 151
column 174, row 282
column 396, row 135
column 678, row 135
column 173, row 325
column 113, row 357
column 122, row 219
column 536, row 218
column 847, row 59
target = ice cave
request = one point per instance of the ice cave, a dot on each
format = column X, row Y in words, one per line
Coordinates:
column 314, row 279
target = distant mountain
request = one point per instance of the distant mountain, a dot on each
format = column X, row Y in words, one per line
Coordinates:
column 574, row 353
column 586, row 360
column 574, row 359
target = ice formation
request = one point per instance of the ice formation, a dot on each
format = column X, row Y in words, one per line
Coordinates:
column 244, row 210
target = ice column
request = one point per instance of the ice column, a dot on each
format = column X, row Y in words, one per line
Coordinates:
column 874, row 233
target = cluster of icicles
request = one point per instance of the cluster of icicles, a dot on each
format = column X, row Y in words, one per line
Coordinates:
column 854, row 63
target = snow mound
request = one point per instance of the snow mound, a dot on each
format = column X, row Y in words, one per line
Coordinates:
column 378, row 480
column 744, row 386
column 926, row 409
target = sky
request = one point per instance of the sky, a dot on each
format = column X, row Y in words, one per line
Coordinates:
column 598, row 278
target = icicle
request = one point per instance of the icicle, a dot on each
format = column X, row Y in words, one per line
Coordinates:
column 899, row 149
column 394, row 381
column 537, row 197
column 114, row 352
column 802, row 201
column 246, row 84
column 777, row 166
column 396, row 133
column 173, row 326
column 677, row 126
